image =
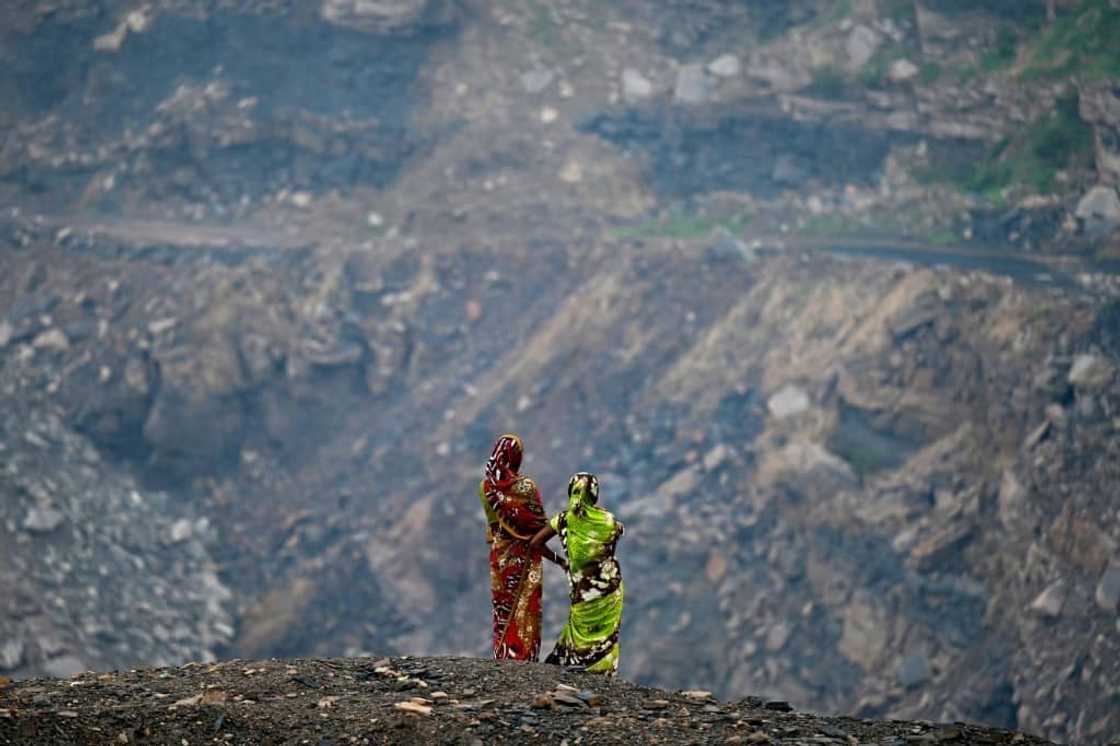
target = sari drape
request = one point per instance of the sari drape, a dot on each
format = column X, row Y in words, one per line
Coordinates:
column 590, row 638
column 514, row 513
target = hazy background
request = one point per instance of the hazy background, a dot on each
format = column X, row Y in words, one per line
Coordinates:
column 823, row 290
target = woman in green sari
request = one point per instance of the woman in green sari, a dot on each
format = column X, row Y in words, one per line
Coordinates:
column 589, row 534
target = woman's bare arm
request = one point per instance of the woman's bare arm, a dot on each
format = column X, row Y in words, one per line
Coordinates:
column 539, row 542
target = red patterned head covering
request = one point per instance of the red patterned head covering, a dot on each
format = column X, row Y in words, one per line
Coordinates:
column 504, row 462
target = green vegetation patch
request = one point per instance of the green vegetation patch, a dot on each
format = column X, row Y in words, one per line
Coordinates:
column 837, row 11
column 902, row 12
column 1085, row 42
column 929, row 72
column 1030, row 159
column 1003, row 53
column 680, row 225
column 832, row 224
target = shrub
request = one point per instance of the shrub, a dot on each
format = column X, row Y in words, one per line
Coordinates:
column 1086, row 42
column 1030, row 160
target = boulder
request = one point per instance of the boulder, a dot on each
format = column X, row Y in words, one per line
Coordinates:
column 1049, row 603
column 180, row 531
column 902, row 71
column 725, row 66
column 807, row 468
column 788, row 401
column 375, row 16
column 42, row 520
column 921, row 313
column 729, row 248
column 1091, row 372
column 778, row 73
column 51, row 339
column 635, row 86
column 1108, row 589
column 715, row 458
column 693, row 85
column 777, row 637
column 1013, row 504
column 861, row 46
column 942, row 549
column 1099, row 211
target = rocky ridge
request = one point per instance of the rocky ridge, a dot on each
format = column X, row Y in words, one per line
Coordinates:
column 409, row 700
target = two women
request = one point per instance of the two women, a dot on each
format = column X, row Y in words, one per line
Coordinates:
column 518, row 533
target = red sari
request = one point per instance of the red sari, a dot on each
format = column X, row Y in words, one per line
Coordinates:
column 514, row 513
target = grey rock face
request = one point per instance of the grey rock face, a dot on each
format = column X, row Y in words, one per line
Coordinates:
column 914, row 670
column 1108, row 589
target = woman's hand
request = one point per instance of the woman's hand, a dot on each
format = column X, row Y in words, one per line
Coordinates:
column 539, row 542
column 557, row 560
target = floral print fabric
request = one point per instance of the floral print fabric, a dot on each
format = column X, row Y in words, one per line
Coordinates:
column 514, row 513
column 590, row 638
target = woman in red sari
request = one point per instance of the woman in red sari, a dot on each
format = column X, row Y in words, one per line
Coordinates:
column 514, row 514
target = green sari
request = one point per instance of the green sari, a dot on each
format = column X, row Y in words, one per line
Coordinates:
column 590, row 638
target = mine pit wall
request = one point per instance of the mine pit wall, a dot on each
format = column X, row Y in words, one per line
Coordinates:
column 218, row 109
column 868, row 521
column 862, row 486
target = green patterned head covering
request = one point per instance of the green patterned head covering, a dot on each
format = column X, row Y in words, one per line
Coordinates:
column 589, row 527
column 583, row 492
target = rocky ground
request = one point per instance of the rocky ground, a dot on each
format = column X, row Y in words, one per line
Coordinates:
column 409, row 700
column 257, row 334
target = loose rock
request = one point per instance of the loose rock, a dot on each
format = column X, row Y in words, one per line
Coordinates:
column 1108, row 589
